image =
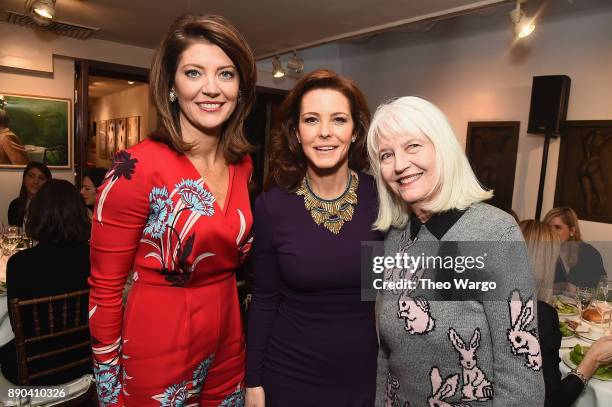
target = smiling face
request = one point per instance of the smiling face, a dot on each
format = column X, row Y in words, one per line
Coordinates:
column 408, row 166
column 33, row 180
column 325, row 129
column 206, row 83
column 88, row 191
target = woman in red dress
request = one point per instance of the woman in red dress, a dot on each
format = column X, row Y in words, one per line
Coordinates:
column 175, row 210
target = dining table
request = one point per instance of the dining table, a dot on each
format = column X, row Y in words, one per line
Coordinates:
column 597, row 393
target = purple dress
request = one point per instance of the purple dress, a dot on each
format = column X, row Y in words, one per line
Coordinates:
column 311, row 340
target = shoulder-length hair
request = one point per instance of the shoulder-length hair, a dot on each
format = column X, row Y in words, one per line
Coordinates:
column 58, row 214
column 22, row 203
column 287, row 159
column 569, row 217
column 543, row 246
column 185, row 31
column 456, row 186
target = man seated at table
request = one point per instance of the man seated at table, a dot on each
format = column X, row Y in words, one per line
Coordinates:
column 543, row 246
column 58, row 264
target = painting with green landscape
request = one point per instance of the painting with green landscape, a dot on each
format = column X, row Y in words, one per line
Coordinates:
column 41, row 125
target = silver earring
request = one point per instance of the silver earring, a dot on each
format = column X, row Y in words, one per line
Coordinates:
column 172, row 95
column 353, row 139
column 298, row 139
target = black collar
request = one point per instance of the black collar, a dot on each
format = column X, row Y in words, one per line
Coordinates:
column 438, row 224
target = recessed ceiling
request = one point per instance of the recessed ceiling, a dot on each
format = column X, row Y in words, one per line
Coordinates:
column 270, row 26
column 99, row 86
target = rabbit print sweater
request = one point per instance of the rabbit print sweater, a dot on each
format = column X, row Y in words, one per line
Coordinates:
column 443, row 348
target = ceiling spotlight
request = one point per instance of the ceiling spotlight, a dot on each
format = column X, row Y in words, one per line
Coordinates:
column 131, row 82
column 41, row 11
column 295, row 63
column 277, row 68
column 523, row 25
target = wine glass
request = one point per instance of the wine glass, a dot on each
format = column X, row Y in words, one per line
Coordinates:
column 10, row 240
column 584, row 296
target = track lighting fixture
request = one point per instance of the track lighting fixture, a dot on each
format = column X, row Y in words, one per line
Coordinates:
column 295, row 63
column 41, row 11
column 277, row 68
column 523, row 25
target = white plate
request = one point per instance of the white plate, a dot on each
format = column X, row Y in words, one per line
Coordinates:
column 565, row 357
column 569, row 301
column 592, row 335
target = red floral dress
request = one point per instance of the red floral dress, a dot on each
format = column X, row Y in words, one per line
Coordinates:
column 179, row 341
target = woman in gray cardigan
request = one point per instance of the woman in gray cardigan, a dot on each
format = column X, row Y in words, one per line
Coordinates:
column 443, row 343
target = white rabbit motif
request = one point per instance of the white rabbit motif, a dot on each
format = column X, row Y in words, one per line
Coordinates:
column 442, row 391
column 475, row 384
column 523, row 341
column 415, row 311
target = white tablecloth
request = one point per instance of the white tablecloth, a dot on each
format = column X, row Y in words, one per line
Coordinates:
column 6, row 332
column 598, row 393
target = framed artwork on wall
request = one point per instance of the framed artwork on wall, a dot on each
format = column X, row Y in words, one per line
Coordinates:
column 491, row 148
column 111, row 143
column 121, row 134
column 585, row 164
column 133, row 131
column 102, row 145
column 35, row 128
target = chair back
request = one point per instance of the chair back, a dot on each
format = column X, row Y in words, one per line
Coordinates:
column 50, row 335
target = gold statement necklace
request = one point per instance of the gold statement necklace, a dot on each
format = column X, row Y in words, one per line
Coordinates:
column 332, row 213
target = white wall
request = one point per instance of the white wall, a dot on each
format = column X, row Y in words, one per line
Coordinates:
column 470, row 72
column 467, row 67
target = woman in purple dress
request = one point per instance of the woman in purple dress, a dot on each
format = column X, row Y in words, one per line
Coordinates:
column 312, row 341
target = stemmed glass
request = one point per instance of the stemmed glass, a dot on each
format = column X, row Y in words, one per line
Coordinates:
column 584, row 296
column 10, row 240
column 604, row 303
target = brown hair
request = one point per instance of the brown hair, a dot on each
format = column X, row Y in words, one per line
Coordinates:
column 185, row 31
column 287, row 160
column 569, row 217
column 58, row 214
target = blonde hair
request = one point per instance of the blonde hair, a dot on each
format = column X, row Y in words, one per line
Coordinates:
column 456, row 185
column 543, row 246
column 569, row 217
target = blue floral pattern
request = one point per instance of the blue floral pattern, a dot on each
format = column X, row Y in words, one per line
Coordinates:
column 195, row 197
column 236, row 399
column 174, row 396
column 160, row 212
column 200, row 373
column 107, row 383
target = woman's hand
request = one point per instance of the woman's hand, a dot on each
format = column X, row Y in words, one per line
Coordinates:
column 255, row 397
column 600, row 353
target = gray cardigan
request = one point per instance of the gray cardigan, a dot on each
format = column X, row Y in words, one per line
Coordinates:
column 462, row 353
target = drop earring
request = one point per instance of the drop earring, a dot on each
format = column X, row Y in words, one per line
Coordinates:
column 353, row 139
column 172, row 95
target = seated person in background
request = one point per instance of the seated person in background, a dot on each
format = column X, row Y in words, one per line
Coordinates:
column 543, row 246
column 580, row 264
column 58, row 264
column 91, row 181
column 34, row 176
column 12, row 151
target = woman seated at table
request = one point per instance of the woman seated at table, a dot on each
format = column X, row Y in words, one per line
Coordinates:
column 34, row 176
column 580, row 264
column 543, row 247
column 91, row 181
column 58, row 264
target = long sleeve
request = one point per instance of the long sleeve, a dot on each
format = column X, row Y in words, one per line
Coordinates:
column 382, row 369
column 13, row 213
column 119, row 218
column 266, row 294
column 516, row 350
column 559, row 393
column 12, row 147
